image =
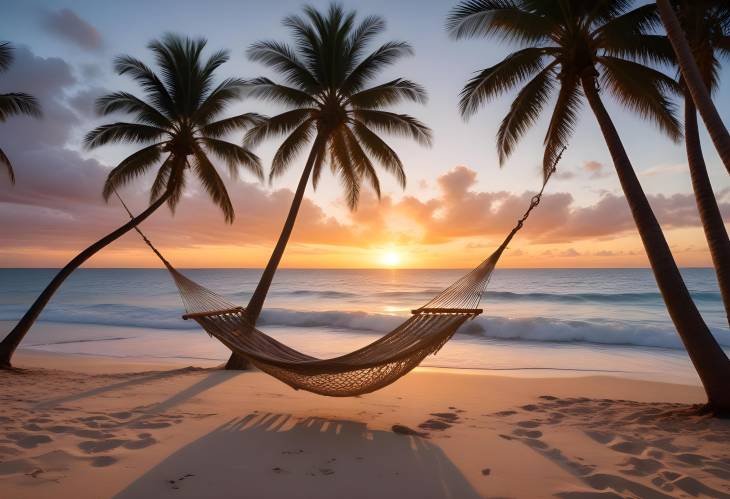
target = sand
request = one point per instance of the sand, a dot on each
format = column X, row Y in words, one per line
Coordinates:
column 78, row 427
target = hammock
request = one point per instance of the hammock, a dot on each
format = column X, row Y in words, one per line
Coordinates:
column 364, row 370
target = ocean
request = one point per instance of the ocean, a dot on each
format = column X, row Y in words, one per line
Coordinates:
column 546, row 321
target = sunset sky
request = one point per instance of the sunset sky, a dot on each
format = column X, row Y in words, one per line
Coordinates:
column 456, row 208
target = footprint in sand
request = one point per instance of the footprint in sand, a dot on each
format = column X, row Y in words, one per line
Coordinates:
column 149, row 425
column 404, row 430
column 642, row 467
column 530, row 407
column 629, row 447
column 27, row 440
column 528, row 424
column 527, row 433
column 145, row 440
column 602, row 437
column 447, row 416
column 97, row 446
column 434, row 424
column 103, row 461
column 503, row 414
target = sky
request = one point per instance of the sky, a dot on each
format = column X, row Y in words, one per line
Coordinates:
column 456, row 208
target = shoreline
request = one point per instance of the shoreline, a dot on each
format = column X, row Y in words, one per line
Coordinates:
column 131, row 428
column 34, row 358
column 520, row 358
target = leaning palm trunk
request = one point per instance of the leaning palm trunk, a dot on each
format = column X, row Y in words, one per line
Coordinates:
column 712, row 223
column 12, row 340
column 706, row 355
column 256, row 303
column 694, row 81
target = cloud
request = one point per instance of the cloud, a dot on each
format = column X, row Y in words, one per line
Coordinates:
column 66, row 24
column 56, row 205
column 595, row 169
column 570, row 252
column 664, row 170
column 84, row 101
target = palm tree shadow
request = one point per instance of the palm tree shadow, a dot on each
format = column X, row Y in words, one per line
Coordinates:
column 134, row 380
column 276, row 455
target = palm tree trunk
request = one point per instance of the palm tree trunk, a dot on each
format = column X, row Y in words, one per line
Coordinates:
column 256, row 303
column 13, row 339
column 712, row 223
column 706, row 355
column 694, row 81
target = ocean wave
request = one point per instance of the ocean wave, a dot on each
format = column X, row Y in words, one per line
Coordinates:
column 417, row 296
column 106, row 315
column 537, row 329
column 643, row 298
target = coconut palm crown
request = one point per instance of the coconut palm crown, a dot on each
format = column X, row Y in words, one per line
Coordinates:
column 706, row 24
column 178, row 122
column 565, row 41
column 12, row 104
column 327, row 73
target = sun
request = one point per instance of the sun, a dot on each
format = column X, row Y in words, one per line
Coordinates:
column 390, row 258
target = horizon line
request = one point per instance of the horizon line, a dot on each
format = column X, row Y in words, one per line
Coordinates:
column 351, row 268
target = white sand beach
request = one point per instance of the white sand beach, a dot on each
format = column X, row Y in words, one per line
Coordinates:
column 81, row 426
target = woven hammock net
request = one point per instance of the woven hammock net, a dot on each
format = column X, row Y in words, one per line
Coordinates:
column 362, row 371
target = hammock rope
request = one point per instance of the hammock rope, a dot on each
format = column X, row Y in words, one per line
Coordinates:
column 365, row 370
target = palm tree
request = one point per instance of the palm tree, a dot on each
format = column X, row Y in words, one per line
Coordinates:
column 179, row 126
column 692, row 75
column 13, row 104
column 706, row 23
column 584, row 48
column 330, row 105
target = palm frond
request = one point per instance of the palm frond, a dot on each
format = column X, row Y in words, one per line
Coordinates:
column 503, row 76
column 122, row 132
column 6, row 55
column 643, row 90
column 524, row 111
column 341, row 163
column 562, row 122
column 234, row 156
column 213, row 184
column 131, row 167
column 277, row 125
column 18, row 103
column 4, row 160
column 506, row 20
column 294, row 143
column 150, row 83
column 382, row 152
column 388, row 94
column 179, row 62
column 281, row 58
column 228, row 91
column 385, row 55
column 231, row 124
column 396, row 124
column 266, row 89
column 363, row 164
column 368, row 29
column 162, row 179
column 128, row 103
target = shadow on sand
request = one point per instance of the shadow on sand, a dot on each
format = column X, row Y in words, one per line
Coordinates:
column 134, row 380
column 275, row 455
